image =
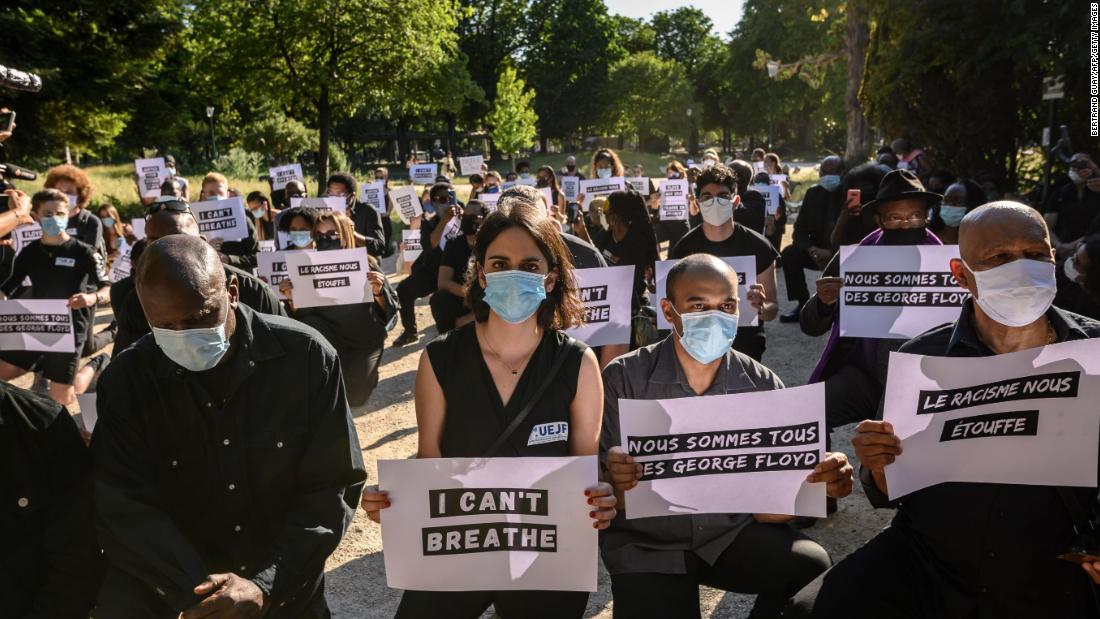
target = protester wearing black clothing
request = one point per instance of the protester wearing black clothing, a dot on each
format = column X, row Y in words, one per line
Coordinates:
column 752, row 211
column 423, row 280
column 743, row 242
column 1074, row 211
column 367, row 221
column 51, row 566
column 1079, row 280
column 208, row 468
column 813, row 231
column 630, row 240
column 855, row 222
column 449, row 302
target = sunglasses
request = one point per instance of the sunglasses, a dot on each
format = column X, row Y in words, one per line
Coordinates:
column 175, row 206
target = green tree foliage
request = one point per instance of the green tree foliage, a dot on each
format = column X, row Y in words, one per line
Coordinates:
column 95, row 59
column 490, row 32
column 281, row 138
column 634, row 36
column 512, row 120
column 683, row 35
column 652, row 96
column 967, row 85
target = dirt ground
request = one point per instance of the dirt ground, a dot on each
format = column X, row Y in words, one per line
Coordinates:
column 387, row 430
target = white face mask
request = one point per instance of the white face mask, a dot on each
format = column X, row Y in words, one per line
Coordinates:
column 1070, row 270
column 603, row 172
column 716, row 211
column 1016, row 293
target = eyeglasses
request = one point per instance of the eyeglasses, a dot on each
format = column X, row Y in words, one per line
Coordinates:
column 897, row 220
column 175, row 206
column 1078, row 165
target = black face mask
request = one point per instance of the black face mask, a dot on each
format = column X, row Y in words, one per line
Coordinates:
column 325, row 243
column 903, row 236
column 542, row 182
column 469, row 225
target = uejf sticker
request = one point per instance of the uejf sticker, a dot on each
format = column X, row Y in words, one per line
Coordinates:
column 549, row 433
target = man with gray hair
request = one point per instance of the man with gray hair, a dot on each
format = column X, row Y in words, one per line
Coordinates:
column 227, row 467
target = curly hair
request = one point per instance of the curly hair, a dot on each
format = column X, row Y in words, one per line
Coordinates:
column 716, row 174
column 562, row 307
column 605, row 154
column 75, row 176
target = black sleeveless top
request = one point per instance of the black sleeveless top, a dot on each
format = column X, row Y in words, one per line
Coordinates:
column 475, row 416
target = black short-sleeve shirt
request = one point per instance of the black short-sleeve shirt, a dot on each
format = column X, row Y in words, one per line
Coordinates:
column 743, row 242
column 457, row 256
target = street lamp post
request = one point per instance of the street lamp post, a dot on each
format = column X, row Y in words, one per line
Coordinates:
column 773, row 70
column 692, row 138
column 213, row 145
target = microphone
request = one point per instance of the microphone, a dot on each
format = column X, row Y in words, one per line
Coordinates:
column 8, row 170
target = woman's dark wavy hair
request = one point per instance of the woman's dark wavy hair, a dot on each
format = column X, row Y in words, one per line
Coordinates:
column 562, row 307
column 629, row 207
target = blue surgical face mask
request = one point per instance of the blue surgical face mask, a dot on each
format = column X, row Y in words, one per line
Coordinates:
column 603, row 172
column 707, row 335
column 514, row 295
column 429, row 208
column 300, row 238
column 197, row 350
column 108, row 222
column 491, row 189
column 55, row 225
column 829, row 182
column 258, row 213
column 952, row 215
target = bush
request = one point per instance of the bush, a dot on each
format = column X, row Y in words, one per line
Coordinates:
column 337, row 159
column 240, row 163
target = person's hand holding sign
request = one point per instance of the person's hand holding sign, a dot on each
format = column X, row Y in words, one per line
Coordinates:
column 828, row 290
column 836, row 472
column 227, row 595
column 376, row 279
column 876, row 446
column 1092, row 568
column 374, row 501
column 623, row 470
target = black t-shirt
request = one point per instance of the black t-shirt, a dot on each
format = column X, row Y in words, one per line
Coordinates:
column 57, row 271
column 87, row 228
column 457, row 256
column 429, row 257
column 632, row 249
column 1077, row 216
column 743, row 242
column 752, row 211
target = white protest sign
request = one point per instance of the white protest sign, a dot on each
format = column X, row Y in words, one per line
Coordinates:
column 41, row 325
column 771, row 197
column 410, row 243
column 327, row 203
column 570, row 186
column 605, row 293
column 529, row 182
column 741, row 453
column 489, row 200
column 547, row 197
column 267, row 245
column 120, row 268
column 271, row 268
column 758, row 166
column 282, row 239
column 334, row 277
column 222, row 219
column 374, row 195
column 638, row 183
column 470, row 165
column 778, row 179
column 450, row 231
column 1027, row 417
column 597, row 187
column 674, row 199
column 423, row 173
column 281, row 175
column 746, row 276
column 138, row 224
column 89, row 413
column 489, row 524
column 25, row 235
column 151, row 175
column 897, row 292
column 407, row 202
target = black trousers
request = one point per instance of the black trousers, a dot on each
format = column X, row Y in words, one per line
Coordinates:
column 507, row 604
column 794, row 261
column 446, row 309
column 771, row 560
column 851, row 395
column 360, row 369
column 419, row 283
column 387, row 233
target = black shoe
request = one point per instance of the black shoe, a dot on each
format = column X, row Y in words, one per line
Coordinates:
column 406, row 338
column 97, row 363
column 803, row 522
column 791, row 316
column 830, row 506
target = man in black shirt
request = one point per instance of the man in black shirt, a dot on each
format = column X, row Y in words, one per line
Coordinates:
column 813, row 230
column 424, row 277
column 227, row 467
column 166, row 219
column 970, row 549
column 59, row 267
column 367, row 221
column 51, row 566
column 719, row 235
column 449, row 302
column 1074, row 211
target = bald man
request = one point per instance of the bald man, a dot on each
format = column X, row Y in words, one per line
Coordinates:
column 812, row 248
column 166, row 219
column 967, row 549
column 657, row 564
column 227, row 466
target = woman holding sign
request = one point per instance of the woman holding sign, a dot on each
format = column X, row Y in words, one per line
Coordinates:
column 357, row 331
column 496, row 386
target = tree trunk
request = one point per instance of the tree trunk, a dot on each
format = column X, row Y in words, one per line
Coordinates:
column 452, row 146
column 402, row 140
column 324, row 117
column 857, row 36
column 542, row 143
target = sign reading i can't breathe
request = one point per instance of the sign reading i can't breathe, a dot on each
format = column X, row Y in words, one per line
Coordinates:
column 221, row 219
column 495, row 524
column 41, row 325
column 605, row 293
column 271, row 268
column 1027, row 417
column 739, row 453
column 334, row 277
column 897, row 292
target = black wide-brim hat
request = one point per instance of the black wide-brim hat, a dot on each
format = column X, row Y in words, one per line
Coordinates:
column 901, row 185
